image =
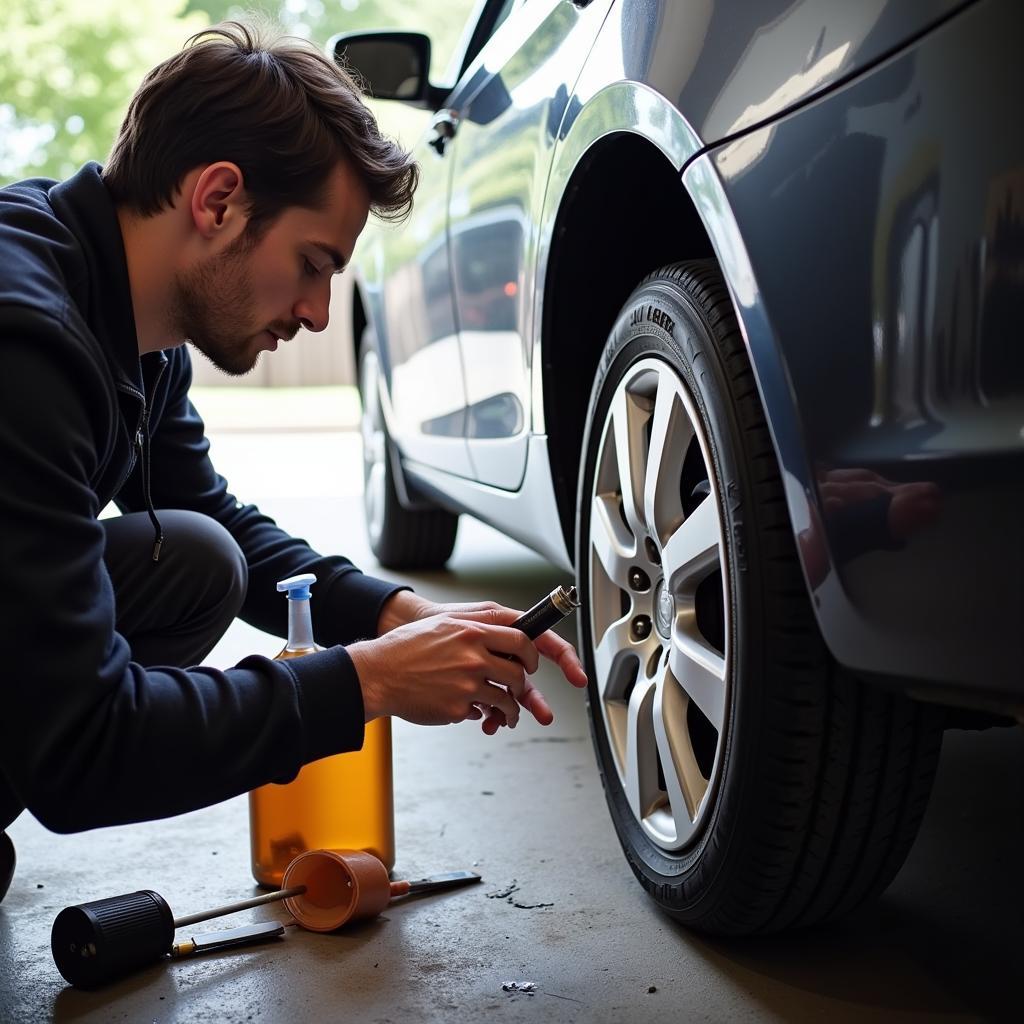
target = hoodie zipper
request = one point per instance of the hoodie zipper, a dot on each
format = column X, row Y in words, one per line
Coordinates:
column 141, row 444
column 158, row 529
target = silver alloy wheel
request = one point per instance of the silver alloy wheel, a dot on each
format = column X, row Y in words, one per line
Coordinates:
column 661, row 681
column 374, row 445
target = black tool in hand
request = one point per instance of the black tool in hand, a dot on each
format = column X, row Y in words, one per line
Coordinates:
column 95, row 943
column 547, row 612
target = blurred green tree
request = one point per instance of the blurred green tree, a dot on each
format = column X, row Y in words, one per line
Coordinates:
column 320, row 19
column 68, row 71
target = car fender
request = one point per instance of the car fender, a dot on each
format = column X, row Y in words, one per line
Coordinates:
column 651, row 117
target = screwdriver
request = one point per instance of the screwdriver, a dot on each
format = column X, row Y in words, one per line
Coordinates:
column 98, row 942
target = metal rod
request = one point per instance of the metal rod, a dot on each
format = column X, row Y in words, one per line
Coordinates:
column 233, row 908
column 450, row 880
column 227, row 939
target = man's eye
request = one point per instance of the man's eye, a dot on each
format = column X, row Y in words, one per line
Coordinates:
column 309, row 269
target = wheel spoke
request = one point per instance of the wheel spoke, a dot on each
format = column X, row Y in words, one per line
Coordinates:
column 612, row 542
column 609, row 654
column 641, row 783
column 662, row 505
column 630, row 458
column 684, row 784
column 700, row 672
column 694, row 549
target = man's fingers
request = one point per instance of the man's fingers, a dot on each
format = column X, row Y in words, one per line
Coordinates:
column 501, row 700
column 512, row 643
column 464, row 608
column 494, row 721
column 505, row 640
column 496, row 615
column 534, row 702
column 563, row 654
column 506, row 672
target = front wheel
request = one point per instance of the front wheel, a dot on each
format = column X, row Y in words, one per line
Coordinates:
column 754, row 785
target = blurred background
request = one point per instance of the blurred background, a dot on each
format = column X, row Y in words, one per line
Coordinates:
column 68, row 69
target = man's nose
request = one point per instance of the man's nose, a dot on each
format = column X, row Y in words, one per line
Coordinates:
column 313, row 313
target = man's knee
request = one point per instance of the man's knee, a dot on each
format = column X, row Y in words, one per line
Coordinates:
column 208, row 553
column 174, row 611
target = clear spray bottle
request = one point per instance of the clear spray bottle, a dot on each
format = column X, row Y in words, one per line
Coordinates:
column 344, row 802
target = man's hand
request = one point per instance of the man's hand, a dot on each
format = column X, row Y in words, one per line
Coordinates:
column 405, row 611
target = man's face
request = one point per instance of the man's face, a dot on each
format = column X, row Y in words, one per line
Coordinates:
column 244, row 299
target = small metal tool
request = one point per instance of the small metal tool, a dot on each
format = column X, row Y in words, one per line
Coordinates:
column 435, row 883
column 228, row 938
column 547, row 612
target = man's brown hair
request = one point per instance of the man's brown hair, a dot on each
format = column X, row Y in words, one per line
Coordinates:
column 282, row 111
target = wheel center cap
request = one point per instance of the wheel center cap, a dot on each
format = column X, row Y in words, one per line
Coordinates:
column 664, row 609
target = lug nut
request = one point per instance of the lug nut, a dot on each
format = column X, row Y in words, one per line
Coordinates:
column 638, row 579
column 640, row 627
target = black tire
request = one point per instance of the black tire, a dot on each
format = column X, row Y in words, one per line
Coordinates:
column 8, row 860
column 401, row 538
column 816, row 782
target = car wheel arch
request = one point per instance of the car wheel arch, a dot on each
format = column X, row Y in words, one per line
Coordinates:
column 601, row 250
column 679, row 216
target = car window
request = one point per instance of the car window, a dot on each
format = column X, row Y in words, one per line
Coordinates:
column 486, row 20
column 503, row 12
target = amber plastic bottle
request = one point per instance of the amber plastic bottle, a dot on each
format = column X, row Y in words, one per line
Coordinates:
column 344, row 802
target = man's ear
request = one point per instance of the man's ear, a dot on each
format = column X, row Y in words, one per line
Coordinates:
column 219, row 204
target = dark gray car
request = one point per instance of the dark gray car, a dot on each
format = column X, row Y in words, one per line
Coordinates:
column 719, row 304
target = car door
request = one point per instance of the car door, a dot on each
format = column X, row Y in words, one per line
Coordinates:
column 405, row 276
column 503, row 118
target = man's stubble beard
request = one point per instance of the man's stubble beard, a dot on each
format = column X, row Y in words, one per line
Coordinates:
column 211, row 308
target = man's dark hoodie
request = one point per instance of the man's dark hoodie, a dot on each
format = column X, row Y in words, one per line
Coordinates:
column 87, row 736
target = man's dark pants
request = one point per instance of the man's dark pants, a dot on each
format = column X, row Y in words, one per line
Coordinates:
column 172, row 612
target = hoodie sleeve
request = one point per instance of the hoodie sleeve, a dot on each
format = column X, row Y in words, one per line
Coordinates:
column 347, row 602
column 87, row 736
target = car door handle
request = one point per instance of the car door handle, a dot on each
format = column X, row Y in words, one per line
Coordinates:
column 444, row 126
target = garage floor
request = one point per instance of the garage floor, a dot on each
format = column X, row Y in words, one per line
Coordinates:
column 557, row 905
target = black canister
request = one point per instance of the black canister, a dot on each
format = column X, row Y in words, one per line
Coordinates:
column 96, row 942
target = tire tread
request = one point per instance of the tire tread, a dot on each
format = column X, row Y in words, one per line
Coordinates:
column 852, row 765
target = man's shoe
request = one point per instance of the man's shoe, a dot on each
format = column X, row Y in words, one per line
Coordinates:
column 7, row 862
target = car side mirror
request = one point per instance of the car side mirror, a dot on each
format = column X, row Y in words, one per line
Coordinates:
column 392, row 65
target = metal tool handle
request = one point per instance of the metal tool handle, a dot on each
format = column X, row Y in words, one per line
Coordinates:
column 448, row 880
column 435, row 883
column 233, row 908
column 227, row 938
column 545, row 613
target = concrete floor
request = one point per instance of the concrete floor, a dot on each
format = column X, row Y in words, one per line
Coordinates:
column 523, row 809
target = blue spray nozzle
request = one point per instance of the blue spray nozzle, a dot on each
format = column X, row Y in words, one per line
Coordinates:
column 297, row 587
